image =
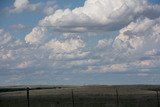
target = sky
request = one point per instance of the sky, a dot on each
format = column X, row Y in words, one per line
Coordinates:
column 79, row 42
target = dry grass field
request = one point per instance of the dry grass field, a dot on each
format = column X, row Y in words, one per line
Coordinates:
column 82, row 96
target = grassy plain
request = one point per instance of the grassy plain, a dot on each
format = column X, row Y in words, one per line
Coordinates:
column 83, row 96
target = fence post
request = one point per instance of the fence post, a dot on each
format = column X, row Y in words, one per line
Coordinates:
column 72, row 99
column 158, row 105
column 117, row 96
column 28, row 100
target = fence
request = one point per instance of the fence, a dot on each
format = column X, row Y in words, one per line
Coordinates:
column 74, row 100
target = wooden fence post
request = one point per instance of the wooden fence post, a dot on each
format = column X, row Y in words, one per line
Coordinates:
column 28, row 100
column 72, row 99
column 158, row 105
column 117, row 96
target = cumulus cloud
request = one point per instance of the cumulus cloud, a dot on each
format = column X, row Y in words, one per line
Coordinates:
column 14, row 53
column 135, row 47
column 65, row 46
column 6, row 55
column 142, row 34
column 139, row 39
column 125, row 43
column 104, row 43
column 36, row 35
column 20, row 5
column 101, row 15
column 144, row 63
column 5, row 37
column 50, row 7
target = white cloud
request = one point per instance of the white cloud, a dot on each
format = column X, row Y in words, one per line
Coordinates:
column 125, row 43
column 23, row 65
column 144, row 63
column 69, row 51
column 21, row 5
column 104, row 43
column 16, row 54
column 141, row 35
column 5, row 37
column 50, row 7
column 119, row 67
column 85, row 62
column 34, row 7
column 108, row 68
column 102, row 15
column 156, row 31
column 47, row 50
column 6, row 55
column 36, row 35
column 134, row 48
column 66, row 45
column 72, row 56
column 152, row 52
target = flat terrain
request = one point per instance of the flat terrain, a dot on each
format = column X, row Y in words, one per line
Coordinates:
column 83, row 96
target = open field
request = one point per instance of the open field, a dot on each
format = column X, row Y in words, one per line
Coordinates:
column 80, row 96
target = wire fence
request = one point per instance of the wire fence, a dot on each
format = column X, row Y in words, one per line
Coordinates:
column 76, row 100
